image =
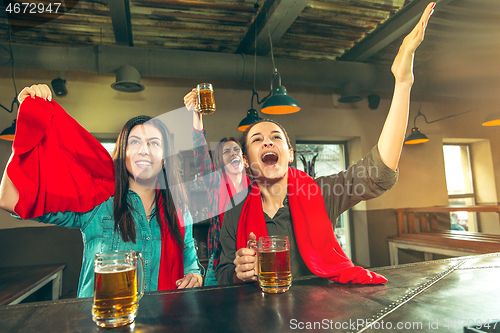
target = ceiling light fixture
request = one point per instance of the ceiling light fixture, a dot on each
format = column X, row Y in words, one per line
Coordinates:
column 493, row 119
column 128, row 79
column 350, row 93
column 280, row 102
column 252, row 115
column 9, row 133
column 417, row 137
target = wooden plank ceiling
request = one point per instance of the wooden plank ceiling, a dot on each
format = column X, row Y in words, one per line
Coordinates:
column 300, row 29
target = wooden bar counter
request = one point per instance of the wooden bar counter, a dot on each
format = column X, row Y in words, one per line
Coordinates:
column 433, row 296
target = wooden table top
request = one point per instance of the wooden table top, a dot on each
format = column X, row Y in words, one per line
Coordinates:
column 433, row 296
column 16, row 281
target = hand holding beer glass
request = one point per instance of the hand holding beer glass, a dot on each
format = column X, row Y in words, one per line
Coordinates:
column 117, row 290
column 206, row 100
column 273, row 263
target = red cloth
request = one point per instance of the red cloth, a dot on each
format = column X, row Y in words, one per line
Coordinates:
column 171, row 262
column 313, row 230
column 58, row 166
column 227, row 191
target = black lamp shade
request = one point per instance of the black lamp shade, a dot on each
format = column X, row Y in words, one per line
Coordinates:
column 9, row 132
column 280, row 103
column 415, row 137
column 251, row 118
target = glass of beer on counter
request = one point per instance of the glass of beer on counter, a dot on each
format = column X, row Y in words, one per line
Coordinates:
column 206, row 100
column 273, row 257
column 117, row 287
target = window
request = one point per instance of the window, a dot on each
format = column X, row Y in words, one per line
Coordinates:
column 457, row 164
column 108, row 145
column 322, row 159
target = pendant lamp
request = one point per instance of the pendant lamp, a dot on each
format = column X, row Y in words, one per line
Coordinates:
column 280, row 102
column 252, row 115
column 9, row 133
column 417, row 137
column 493, row 119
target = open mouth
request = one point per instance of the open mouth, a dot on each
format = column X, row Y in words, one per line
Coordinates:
column 269, row 158
column 236, row 162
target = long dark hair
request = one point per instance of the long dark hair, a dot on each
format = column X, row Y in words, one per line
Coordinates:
column 218, row 159
column 165, row 199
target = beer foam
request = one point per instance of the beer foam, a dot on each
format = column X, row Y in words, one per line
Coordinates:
column 114, row 268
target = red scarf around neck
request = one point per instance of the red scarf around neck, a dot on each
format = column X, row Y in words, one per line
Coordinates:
column 227, row 191
column 58, row 166
column 313, row 231
column 171, row 262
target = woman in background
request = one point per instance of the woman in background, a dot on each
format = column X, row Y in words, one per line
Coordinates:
column 223, row 179
column 133, row 210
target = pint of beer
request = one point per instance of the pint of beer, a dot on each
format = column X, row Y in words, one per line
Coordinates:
column 275, row 274
column 116, row 297
column 206, row 100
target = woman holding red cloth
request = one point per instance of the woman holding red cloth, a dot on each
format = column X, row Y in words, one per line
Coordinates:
column 60, row 174
column 285, row 201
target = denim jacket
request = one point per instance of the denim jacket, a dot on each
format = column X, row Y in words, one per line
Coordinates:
column 97, row 227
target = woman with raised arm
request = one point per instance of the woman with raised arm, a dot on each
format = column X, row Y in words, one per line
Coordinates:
column 60, row 174
column 223, row 179
column 285, row 201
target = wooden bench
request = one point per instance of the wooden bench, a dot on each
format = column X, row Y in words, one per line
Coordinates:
column 427, row 238
column 17, row 283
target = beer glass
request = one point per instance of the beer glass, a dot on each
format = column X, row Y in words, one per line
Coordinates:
column 273, row 257
column 117, row 287
column 206, row 100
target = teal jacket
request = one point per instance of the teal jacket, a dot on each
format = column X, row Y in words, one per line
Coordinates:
column 97, row 227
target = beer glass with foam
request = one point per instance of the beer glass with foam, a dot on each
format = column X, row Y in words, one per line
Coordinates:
column 206, row 100
column 273, row 258
column 117, row 287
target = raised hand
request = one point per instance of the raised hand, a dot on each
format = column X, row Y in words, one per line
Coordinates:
column 190, row 100
column 402, row 67
column 38, row 90
column 191, row 103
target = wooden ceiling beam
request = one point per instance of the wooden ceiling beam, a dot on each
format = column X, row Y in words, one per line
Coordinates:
column 274, row 19
column 393, row 28
column 122, row 25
